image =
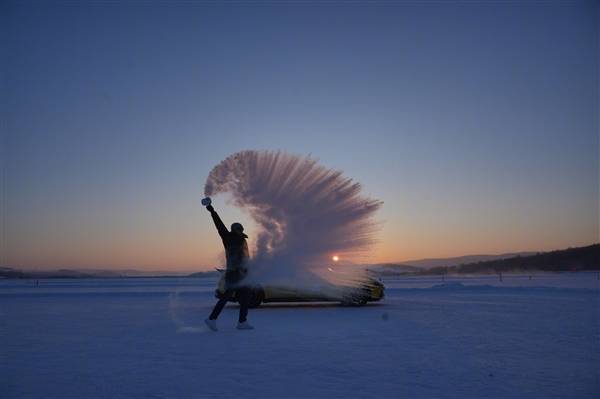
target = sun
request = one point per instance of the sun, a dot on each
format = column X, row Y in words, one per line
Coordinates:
column 335, row 258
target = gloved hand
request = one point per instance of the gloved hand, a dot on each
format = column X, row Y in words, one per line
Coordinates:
column 210, row 208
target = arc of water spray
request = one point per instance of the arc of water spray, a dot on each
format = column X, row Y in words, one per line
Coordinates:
column 305, row 212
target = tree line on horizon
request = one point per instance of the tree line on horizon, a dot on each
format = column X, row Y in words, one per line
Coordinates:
column 572, row 259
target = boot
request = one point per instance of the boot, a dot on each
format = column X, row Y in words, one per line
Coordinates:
column 244, row 326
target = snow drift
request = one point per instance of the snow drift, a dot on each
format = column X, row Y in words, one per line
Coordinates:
column 306, row 213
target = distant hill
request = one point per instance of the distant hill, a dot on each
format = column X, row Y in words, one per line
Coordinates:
column 8, row 272
column 460, row 260
column 391, row 269
column 571, row 259
column 212, row 273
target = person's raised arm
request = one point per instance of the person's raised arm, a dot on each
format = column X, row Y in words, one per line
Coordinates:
column 218, row 222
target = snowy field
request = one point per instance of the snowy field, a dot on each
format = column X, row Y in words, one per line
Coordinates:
column 467, row 337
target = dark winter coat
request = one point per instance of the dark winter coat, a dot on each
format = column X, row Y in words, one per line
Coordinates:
column 236, row 251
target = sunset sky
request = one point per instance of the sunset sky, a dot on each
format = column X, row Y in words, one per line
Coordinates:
column 476, row 123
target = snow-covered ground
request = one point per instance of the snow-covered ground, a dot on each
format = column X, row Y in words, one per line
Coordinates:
column 465, row 337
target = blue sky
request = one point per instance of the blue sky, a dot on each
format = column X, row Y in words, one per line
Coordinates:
column 475, row 122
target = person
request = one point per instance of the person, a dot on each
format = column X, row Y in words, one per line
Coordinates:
column 236, row 253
